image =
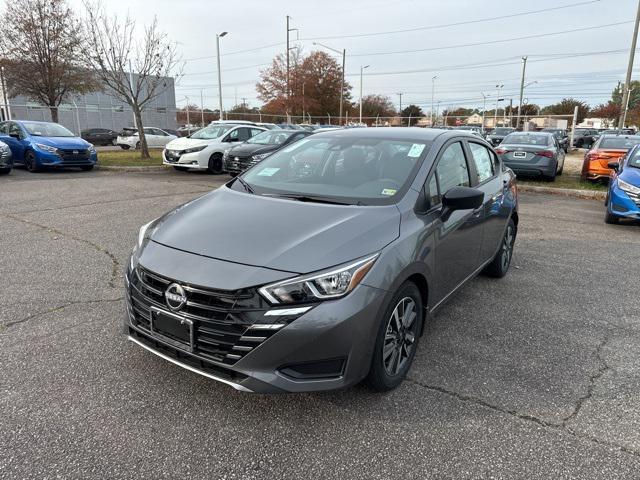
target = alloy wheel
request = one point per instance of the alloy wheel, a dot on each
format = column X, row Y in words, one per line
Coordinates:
column 507, row 247
column 400, row 336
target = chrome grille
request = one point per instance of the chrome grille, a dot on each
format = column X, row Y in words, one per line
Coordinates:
column 227, row 324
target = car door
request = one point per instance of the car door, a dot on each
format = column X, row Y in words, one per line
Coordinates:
column 152, row 138
column 162, row 137
column 459, row 238
column 486, row 172
column 17, row 145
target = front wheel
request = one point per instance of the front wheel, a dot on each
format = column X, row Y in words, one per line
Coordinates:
column 397, row 339
column 31, row 162
column 499, row 266
column 5, row 170
column 125, row 147
column 215, row 164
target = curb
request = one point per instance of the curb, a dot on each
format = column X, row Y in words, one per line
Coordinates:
column 565, row 192
column 150, row 168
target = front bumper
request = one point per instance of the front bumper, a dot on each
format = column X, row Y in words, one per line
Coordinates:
column 327, row 347
column 622, row 204
column 66, row 159
column 187, row 160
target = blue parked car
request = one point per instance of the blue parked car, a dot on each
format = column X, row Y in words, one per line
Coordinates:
column 623, row 198
column 38, row 145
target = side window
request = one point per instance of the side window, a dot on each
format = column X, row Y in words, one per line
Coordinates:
column 483, row 161
column 15, row 128
column 162, row 133
column 234, row 135
column 149, row 131
column 255, row 131
column 452, row 169
column 432, row 193
column 4, row 128
column 244, row 134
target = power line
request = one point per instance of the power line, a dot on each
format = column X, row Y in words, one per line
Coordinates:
column 236, row 52
column 492, row 42
column 227, row 69
column 468, row 22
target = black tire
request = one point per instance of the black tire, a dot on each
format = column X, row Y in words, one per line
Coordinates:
column 138, row 146
column 215, row 164
column 5, row 170
column 233, row 174
column 499, row 266
column 397, row 340
column 609, row 218
column 561, row 168
column 86, row 168
column 550, row 178
column 30, row 161
column 125, row 147
column 181, row 169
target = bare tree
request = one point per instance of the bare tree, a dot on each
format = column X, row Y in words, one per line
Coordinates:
column 114, row 51
column 40, row 42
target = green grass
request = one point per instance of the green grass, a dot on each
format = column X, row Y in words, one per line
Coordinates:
column 566, row 181
column 128, row 158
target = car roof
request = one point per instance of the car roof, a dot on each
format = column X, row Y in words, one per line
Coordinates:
column 619, row 135
column 540, row 133
column 395, row 133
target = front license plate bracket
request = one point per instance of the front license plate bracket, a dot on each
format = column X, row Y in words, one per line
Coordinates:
column 174, row 327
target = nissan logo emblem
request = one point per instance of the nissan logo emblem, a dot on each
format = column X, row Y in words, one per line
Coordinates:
column 175, row 297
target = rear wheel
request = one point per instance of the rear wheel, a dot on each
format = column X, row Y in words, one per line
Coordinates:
column 5, row 170
column 499, row 266
column 31, row 162
column 397, row 339
column 215, row 164
column 125, row 147
column 138, row 146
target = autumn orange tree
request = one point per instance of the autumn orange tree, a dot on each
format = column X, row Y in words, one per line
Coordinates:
column 377, row 106
column 314, row 82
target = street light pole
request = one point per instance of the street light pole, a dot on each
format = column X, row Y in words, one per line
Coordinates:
column 202, row 107
column 361, row 70
column 433, row 87
column 188, row 121
column 218, row 37
column 484, row 107
column 627, row 83
column 524, row 67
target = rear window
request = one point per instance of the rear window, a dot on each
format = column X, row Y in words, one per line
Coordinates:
column 620, row 143
column 523, row 139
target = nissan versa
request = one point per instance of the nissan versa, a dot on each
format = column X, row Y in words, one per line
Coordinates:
column 318, row 267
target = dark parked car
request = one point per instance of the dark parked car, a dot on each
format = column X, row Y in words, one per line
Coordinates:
column 585, row 137
column 561, row 135
column 532, row 154
column 99, row 136
column 498, row 134
column 239, row 158
column 6, row 159
column 318, row 268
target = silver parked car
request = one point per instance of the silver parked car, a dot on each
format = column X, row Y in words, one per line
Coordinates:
column 532, row 154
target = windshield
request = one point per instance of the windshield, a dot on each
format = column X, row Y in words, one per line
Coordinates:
column 502, row 131
column 271, row 137
column 556, row 133
column 349, row 170
column 46, row 129
column 524, row 139
column 619, row 143
column 211, row 132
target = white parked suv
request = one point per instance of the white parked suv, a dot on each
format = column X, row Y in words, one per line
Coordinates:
column 156, row 137
column 204, row 149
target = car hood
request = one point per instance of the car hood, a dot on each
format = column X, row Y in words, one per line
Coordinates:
column 631, row 175
column 62, row 142
column 274, row 233
column 183, row 143
column 247, row 149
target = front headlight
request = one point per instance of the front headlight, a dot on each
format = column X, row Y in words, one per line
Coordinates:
column 91, row 149
column 145, row 232
column 260, row 156
column 195, row 149
column 333, row 283
column 47, row 148
column 627, row 187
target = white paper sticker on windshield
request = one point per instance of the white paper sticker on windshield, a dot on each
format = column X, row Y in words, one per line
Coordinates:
column 267, row 172
column 389, row 191
column 416, row 150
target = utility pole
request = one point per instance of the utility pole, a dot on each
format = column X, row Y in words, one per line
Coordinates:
column 511, row 112
column 303, row 102
column 573, row 126
column 288, row 30
column 626, row 108
column 484, row 107
column 218, row 37
column 627, row 83
column 361, row 70
column 201, row 107
column 524, row 67
column 495, row 113
column 188, row 121
column 400, row 111
column 433, row 88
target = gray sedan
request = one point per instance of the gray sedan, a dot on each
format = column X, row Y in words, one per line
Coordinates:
column 532, row 154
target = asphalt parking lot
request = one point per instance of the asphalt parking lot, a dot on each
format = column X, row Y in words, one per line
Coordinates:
column 532, row 376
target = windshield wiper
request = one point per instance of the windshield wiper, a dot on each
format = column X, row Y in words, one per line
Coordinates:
column 309, row 198
column 246, row 186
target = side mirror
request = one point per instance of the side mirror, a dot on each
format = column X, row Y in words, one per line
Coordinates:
column 460, row 198
column 613, row 166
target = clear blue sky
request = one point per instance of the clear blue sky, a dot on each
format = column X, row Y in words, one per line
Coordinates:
column 259, row 23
